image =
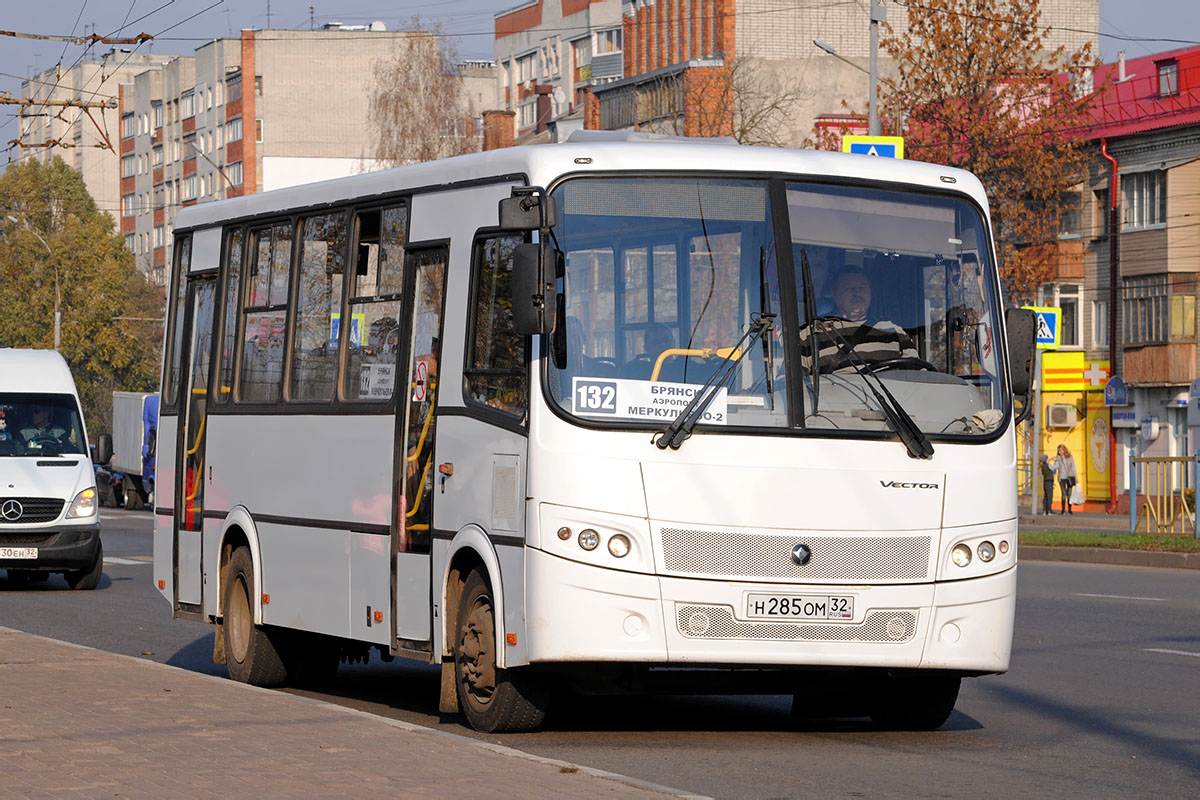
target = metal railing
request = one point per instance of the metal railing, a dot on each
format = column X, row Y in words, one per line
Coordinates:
column 1158, row 489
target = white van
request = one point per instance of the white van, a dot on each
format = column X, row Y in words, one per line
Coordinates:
column 49, row 517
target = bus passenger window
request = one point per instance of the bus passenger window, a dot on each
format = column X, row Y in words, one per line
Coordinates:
column 265, row 315
column 183, row 260
column 318, row 308
column 496, row 361
column 233, row 274
column 376, row 285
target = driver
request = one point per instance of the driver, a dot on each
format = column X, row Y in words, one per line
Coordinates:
column 43, row 426
column 873, row 340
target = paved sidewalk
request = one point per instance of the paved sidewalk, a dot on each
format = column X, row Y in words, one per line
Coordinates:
column 1096, row 522
column 86, row 723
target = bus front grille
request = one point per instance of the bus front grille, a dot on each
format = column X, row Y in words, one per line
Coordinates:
column 717, row 622
column 752, row 556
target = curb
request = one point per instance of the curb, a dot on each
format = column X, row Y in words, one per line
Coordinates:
column 1106, row 555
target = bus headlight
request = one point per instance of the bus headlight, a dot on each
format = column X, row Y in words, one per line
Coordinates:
column 589, row 539
column 961, row 555
column 986, row 550
column 84, row 505
column 618, row 546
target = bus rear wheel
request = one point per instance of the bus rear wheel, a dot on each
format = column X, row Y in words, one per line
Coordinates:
column 915, row 702
column 493, row 699
column 250, row 654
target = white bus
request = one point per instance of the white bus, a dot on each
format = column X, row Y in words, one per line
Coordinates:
column 550, row 417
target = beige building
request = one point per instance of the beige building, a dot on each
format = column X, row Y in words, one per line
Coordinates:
column 266, row 110
column 87, row 139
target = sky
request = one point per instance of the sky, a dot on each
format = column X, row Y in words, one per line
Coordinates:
column 179, row 26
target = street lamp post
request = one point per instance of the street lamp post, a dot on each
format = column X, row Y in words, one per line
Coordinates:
column 57, row 296
column 874, row 126
column 878, row 15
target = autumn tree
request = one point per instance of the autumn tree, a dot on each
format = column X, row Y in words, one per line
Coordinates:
column 976, row 87
column 111, row 315
column 418, row 109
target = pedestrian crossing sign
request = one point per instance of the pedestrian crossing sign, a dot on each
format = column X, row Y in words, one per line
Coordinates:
column 1048, row 333
column 882, row 146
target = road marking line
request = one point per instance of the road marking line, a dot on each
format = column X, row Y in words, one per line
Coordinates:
column 1171, row 652
column 1121, row 597
column 115, row 560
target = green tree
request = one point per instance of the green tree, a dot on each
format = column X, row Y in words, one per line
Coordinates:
column 111, row 314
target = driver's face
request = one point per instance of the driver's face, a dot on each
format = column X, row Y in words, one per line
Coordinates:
column 41, row 416
column 852, row 295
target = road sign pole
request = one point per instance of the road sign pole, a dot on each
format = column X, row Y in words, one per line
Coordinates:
column 1035, row 446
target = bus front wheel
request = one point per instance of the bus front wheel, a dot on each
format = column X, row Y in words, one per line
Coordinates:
column 493, row 699
column 915, row 702
column 250, row 654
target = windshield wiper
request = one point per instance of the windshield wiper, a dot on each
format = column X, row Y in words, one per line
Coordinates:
column 768, row 341
column 910, row 433
column 674, row 434
column 810, row 311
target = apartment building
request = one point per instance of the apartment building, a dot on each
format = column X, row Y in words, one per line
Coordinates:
column 1147, row 123
column 679, row 56
column 265, row 110
column 85, row 138
column 549, row 52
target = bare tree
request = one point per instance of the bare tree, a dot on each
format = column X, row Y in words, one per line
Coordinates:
column 419, row 111
column 743, row 98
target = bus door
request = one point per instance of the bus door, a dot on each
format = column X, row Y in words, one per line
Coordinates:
column 189, row 452
column 417, row 475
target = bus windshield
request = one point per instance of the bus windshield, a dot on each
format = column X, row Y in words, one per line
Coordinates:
column 870, row 286
column 40, row 425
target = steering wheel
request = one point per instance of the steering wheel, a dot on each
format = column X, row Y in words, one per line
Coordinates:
column 905, row 362
column 44, row 439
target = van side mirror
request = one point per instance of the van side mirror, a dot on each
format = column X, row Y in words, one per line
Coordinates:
column 104, row 448
column 533, row 298
column 1021, row 324
column 529, row 209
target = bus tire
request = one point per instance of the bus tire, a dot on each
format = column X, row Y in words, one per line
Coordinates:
column 915, row 702
column 84, row 579
column 250, row 654
column 493, row 700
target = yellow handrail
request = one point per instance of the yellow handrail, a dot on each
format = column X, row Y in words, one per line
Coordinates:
column 723, row 352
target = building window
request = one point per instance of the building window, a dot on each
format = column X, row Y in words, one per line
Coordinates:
column 505, row 74
column 187, row 106
column 1144, row 200
column 258, row 130
column 1100, row 223
column 158, row 115
column 1183, row 306
column 234, row 172
column 189, row 187
column 159, row 236
column 1099, row 323
column 158, row 198
column 128, row 126
column 128, row 205
column 527, row 115
column 1144, row 309
column 1168, row 78
column 1068, row 216
column 258, row 85
column 608, row 41
column 130, row 242
column 128, row 166
column 208, row 97
column 233, row 129
column 233, row 87
column 525, row 67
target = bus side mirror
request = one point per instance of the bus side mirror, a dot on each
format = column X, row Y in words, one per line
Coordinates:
column 104, row 449
column 533, row 297
column 529, row 209
column 1021, row 324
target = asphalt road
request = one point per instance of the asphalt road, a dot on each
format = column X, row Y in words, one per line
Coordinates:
column 1103, row 697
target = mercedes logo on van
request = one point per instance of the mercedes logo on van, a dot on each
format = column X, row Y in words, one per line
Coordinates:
column 801, row 554
column 11, row 510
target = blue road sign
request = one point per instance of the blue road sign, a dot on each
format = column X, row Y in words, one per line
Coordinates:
column 1115, row 393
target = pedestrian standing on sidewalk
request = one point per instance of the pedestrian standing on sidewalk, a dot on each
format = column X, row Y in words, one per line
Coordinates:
column 1064, row 466
column 1047, row 485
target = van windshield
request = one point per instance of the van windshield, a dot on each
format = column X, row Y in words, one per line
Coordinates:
column 663, row 277
column 40, row 425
